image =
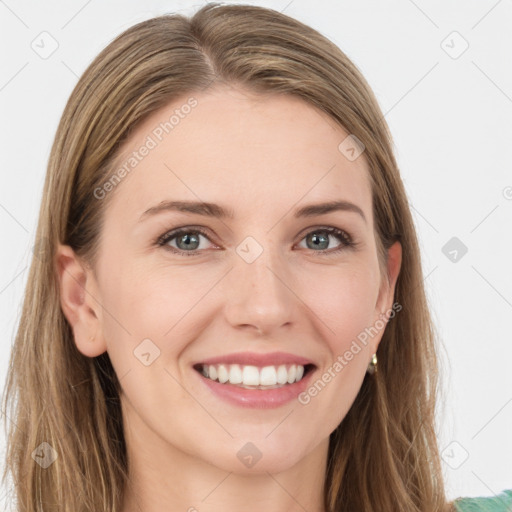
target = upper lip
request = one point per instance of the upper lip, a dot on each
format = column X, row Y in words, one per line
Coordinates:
column 257, row 359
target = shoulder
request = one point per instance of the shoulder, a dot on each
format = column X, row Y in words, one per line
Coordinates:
column 500, row 503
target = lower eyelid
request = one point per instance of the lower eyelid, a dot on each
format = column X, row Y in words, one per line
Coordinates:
column 345, row 239
column 166, row 238
column 343, row 236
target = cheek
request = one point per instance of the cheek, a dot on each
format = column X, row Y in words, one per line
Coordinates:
column 344, row 300
column 345, row 303
column 145, row 323
column 168, row 303
column 155, row 303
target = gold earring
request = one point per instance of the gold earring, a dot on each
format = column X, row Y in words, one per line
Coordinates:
column 372, row 366
column 91, row 338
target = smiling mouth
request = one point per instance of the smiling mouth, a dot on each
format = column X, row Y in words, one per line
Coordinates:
column 254, row 377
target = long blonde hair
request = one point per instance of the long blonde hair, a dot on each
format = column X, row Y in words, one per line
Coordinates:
column 384, row 455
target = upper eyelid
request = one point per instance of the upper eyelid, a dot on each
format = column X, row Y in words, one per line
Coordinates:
column 173, row 233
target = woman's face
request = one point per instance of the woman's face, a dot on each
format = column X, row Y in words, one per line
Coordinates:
column 263, row 280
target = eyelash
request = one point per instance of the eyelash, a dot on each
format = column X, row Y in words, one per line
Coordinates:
column 343, row 236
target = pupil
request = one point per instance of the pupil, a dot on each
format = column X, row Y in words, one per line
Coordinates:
column 320, row 239
column 186, row 240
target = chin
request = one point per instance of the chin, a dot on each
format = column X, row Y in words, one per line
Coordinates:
column 257, row 455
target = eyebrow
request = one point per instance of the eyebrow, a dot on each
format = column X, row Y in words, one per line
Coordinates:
column 215, row 210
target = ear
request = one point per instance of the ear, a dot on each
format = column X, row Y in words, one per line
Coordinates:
column 384, row 305
column 79, row 301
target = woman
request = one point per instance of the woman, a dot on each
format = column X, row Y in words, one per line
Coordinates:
column 189, row 339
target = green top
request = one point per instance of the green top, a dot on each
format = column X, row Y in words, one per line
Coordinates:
column 499, row 503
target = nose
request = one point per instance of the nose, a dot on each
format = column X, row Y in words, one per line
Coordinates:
column 260, row 294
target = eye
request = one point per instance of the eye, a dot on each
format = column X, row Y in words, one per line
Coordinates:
column 319, row 238
column 188, row 240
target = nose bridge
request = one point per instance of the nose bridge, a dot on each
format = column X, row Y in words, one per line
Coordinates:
column 259, row 294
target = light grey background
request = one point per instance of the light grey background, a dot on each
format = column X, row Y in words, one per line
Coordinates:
column 450, row 116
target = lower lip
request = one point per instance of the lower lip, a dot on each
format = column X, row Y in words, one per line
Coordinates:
column 257, row 398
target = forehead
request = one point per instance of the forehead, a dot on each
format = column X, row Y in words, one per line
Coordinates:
column 240, row 149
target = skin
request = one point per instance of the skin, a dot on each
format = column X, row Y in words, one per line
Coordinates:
column 263, row 157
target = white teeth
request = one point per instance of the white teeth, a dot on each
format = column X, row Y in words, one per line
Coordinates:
column 235, row 374
column 268, row 376
column 291, row 374
column 223, row 374
column 282, row 375
column 249, row 375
